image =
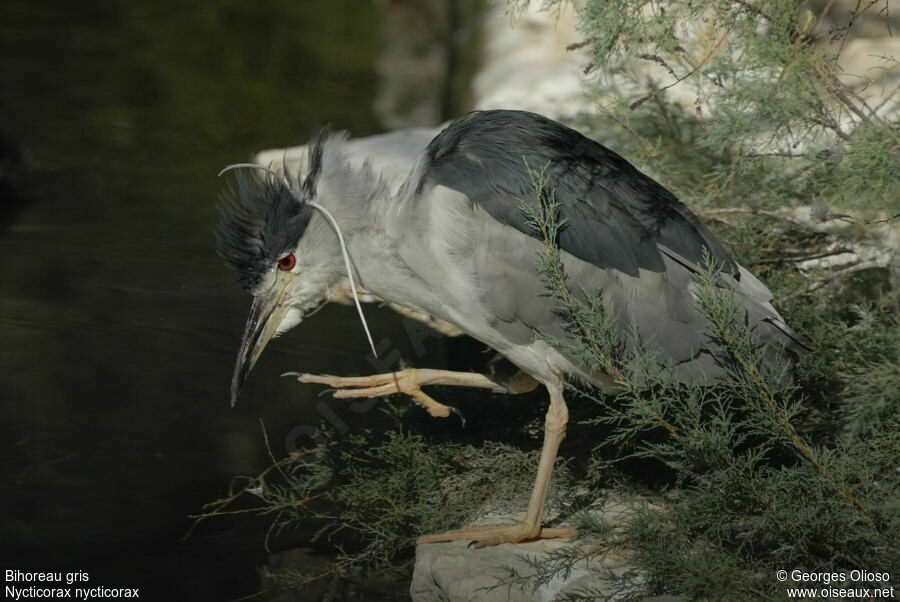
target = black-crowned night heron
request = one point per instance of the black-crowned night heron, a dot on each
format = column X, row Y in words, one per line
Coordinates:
column 452, row 242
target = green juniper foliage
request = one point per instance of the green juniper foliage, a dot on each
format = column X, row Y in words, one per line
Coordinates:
column 374, row 494
column 766, row 476
column 742, row 99
column 755, row 493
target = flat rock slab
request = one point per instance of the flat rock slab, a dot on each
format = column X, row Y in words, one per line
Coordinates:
column 455, row 572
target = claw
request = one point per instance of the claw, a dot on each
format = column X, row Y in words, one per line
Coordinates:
column 325, row 392
column 294, row 374
column 456, row 411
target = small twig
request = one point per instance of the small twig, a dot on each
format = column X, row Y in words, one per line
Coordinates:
column 712, row 50
column 750, row 211
column 275, row 462
column 580, row 45
column 755, row 10
column 745, row 210
column 854, row 220
column 800, row 256
column 842, row 94
column 819, row 283
column 780, row 154
column 655, row 58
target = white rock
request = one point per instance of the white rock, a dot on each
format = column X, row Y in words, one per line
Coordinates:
column 526, row 65
column 451, row 572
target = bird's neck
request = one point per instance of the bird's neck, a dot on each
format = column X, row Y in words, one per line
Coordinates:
column 361, row 203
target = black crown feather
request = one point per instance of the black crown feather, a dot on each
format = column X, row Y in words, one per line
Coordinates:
column 261, row 218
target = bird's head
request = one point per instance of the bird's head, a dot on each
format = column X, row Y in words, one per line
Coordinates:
column 286, row 248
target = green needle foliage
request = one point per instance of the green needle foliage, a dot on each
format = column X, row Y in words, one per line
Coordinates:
column 744, row 100
column 368, row 497
column 755, row 490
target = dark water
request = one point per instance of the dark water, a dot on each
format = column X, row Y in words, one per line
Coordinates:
column 118, row 324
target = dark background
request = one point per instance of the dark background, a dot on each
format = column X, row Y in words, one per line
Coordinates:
column 119, row 325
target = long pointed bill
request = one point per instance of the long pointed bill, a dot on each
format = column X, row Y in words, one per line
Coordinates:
column 266, row 314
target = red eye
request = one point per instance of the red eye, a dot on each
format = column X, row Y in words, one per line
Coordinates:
column 287, row 262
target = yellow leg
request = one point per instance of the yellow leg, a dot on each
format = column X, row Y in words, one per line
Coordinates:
column 411, row 381
column 530, row 527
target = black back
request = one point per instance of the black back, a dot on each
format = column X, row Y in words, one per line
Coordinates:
column 618, row 217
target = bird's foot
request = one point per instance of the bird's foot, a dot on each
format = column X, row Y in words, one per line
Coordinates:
column 492, row 535
column 407, row 381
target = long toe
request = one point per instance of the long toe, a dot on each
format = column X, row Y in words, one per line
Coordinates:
column 492, row 535
column 379, row 391
column 342, row 381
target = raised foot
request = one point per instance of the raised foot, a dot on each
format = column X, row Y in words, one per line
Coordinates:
column 492, row 535
column 407, row 381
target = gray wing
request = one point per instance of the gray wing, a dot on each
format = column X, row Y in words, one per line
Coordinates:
column 626, row 235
